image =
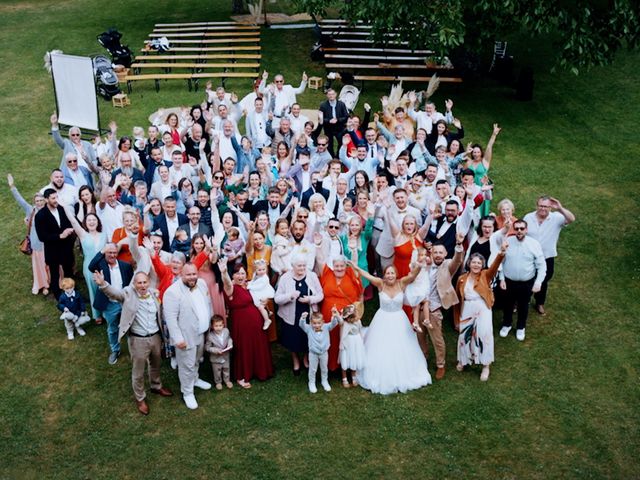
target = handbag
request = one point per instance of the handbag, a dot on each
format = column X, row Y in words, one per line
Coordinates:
column 25, row 245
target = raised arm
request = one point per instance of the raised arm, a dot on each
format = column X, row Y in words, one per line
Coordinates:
column 226, row 280
column 375, row 281
column 19, row 198
column 391, row 221
column 413, row 274
column 488, row 153
column 80, row 232
column 569, row 217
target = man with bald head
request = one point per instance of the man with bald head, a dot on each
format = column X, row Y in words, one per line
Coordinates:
column 187, row 311
column 192, row 141
column 141, row 321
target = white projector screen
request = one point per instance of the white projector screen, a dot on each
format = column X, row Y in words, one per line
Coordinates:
column 75, row 91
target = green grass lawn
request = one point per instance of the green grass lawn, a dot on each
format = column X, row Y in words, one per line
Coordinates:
column 564, row 404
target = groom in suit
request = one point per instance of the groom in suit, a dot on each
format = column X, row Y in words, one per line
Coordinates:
column 55, row 231
column 187, row 312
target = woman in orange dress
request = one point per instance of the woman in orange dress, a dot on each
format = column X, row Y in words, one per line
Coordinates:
column 341, row 287
column 257, row 249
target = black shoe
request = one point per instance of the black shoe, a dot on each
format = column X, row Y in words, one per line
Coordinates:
column 296, row 373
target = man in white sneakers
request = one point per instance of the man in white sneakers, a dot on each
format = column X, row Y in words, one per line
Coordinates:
column 187, row 312
column 523, row 272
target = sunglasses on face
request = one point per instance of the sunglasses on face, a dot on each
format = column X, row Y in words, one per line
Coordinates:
column 217, row 177
column 519, row 229
column 74, row 134
column 333, row 227
column 72, row 161
column 322, row 144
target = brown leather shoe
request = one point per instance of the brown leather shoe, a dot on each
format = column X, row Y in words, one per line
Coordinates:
column 440, row 373
column 163, row 392
column 540, row 310
column 143, row 408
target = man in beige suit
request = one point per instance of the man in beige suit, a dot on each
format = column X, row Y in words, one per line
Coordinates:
column 187, row 312
column 141, row 319
column 441, row 297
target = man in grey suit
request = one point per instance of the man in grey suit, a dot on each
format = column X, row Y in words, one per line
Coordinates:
column 187, row 312
column 141, row 320
column 399, row 209
column 74, row 144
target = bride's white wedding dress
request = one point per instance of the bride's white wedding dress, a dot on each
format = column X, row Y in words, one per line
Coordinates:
column 393, row 359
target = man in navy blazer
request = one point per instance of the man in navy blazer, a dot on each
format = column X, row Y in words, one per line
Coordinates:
column 334, row 118
column 168, row 222
column 118, row 274
column 316, row 187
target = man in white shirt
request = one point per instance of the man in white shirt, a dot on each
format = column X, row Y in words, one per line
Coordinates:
column 430, row 116
column 297, row 119
column 280, row 97
column 330, row 242
column 109, row 211
column 187, row 311
column 320, row 155
column 67, row 194
column 524, row 269
column 545, row 226
column 180, row 170
column 256, row 125
column 300, row 245
column 222, row 141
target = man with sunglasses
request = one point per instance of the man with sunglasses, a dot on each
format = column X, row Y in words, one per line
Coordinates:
column 523, row 272
column 75, row 174
column 545, row 226
column 320, row 156
column 280, row 97
column 331, row 244
column 81, row 148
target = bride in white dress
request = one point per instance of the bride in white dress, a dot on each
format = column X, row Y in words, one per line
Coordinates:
column 393, row 359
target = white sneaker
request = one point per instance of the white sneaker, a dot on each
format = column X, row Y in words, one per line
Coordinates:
column 70, row 335
column 484, row 376
column 174, row 363
column 81, row 331
column 201, row 384
column 312, row 388
column 504, row 331
column 190, row 401
column 520, row 334
column 326, row 386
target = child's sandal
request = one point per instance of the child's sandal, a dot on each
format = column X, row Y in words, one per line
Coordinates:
column 345, row 383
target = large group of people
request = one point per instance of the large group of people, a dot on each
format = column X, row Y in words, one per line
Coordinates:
column 200, row 241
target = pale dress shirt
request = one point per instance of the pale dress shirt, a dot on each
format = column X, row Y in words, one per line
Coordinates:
column 200, row 308
column 434, row 296
column 56, row 215
column 524, row 260
column 144, row 323
column 111, row 218
column 172, row 226
column 547, row 232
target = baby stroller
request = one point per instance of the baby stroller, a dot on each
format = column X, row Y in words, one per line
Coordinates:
column 349, row 96
column 106, row 78
column 120, row 54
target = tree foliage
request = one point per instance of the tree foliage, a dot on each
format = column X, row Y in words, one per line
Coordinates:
column 586, row 33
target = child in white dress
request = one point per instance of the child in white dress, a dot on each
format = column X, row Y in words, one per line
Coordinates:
column 281, row 247
column 261, row 289
column 352, row 355
column 417, row 293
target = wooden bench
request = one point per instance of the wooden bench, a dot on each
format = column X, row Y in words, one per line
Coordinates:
column 168, row 66
column 194, row 24
column 216, row 40
column 191, row 78
column 175, row 36
column 206, row 29
column 221, row 56
column 382, row 66
column 230, row 48
column 374, row 50
column 375, row 57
